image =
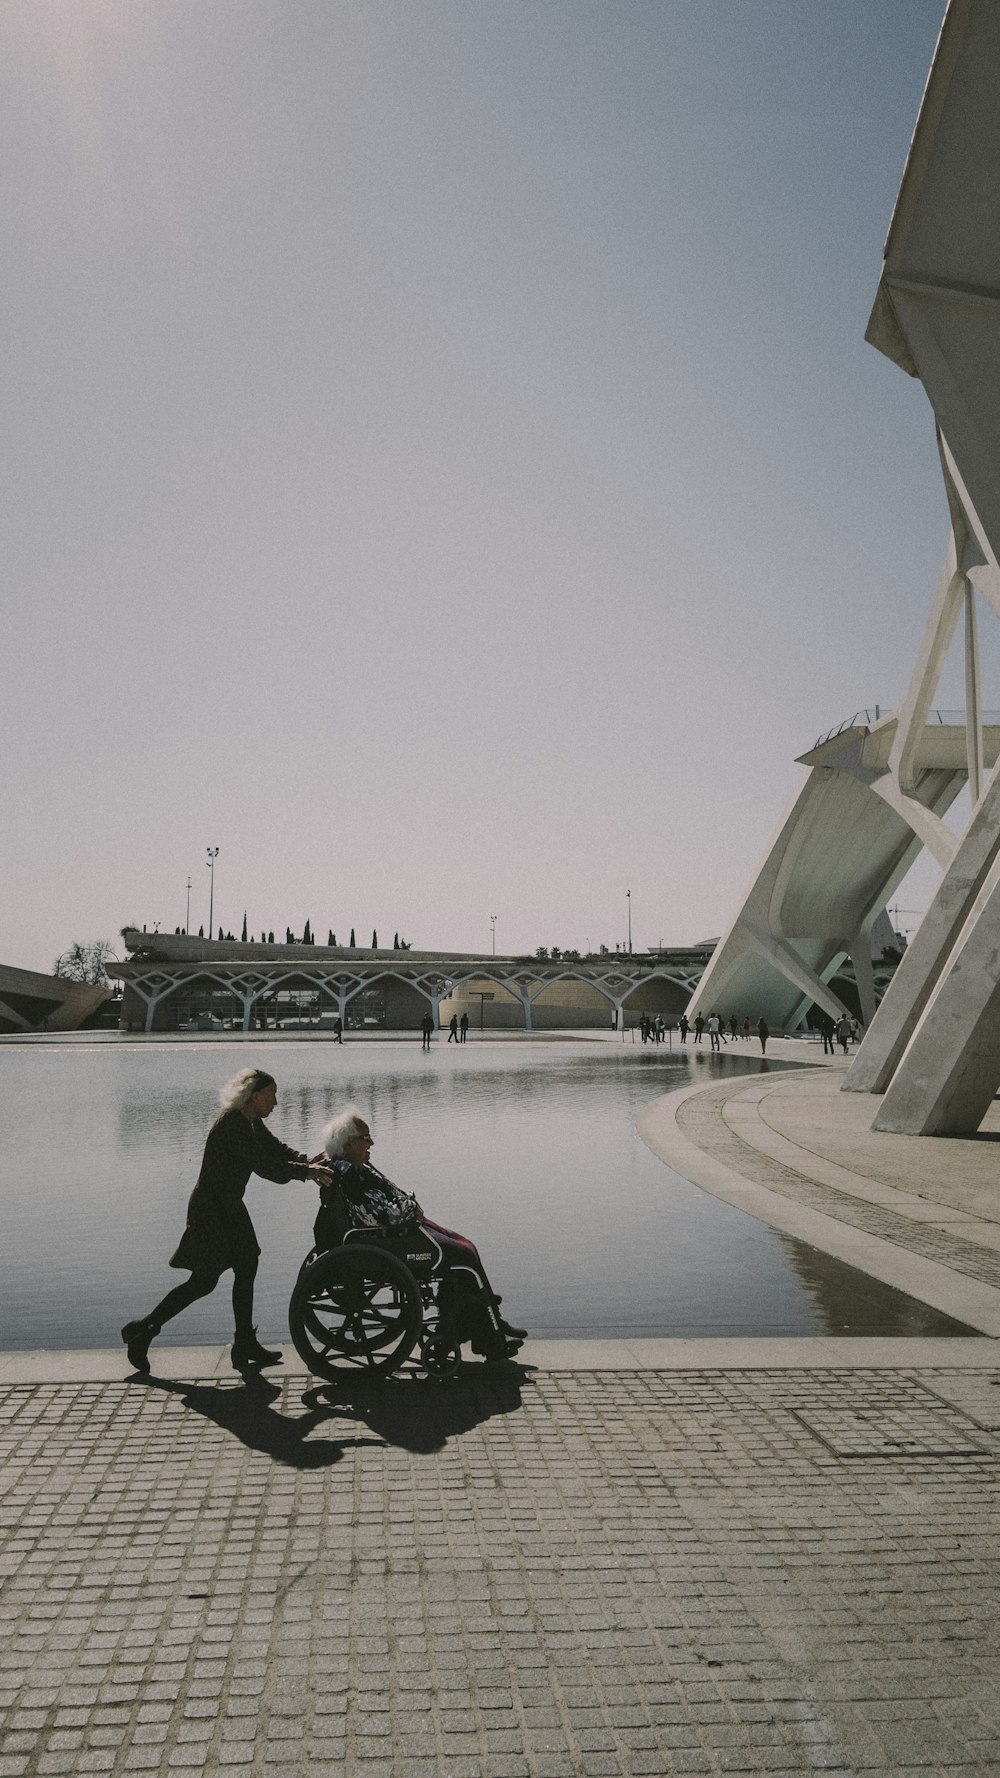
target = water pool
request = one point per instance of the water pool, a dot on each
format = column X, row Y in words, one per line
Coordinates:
column 530, row 1148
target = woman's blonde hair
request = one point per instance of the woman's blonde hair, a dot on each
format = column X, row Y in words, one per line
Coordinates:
column 240, row 1090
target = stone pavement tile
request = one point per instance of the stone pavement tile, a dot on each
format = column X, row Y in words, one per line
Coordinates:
column 634, row 1572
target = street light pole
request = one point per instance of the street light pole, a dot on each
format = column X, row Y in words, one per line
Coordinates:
column 187, row 917
column 628, row 898
column 493, row 932
column 213, row 853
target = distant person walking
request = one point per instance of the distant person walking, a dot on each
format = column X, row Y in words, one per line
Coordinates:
column 338, row 1029
column 220, row 1236
column 763, row 1033
column 746, row 1028
column 734, row 1027
column 426, row 1027
column 463, row 1027
column 844, row 1032
column 453, row 1028
column 699, row 1027
column 826, row 1028
column 713, row 1030
column 683, row 1027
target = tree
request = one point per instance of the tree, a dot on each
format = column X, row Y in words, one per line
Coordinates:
column 395, row 941
column 201, row 932
column 243, row 935
column 374, row 941
column 542, row 951
column 352, row 938
column 270, row 938
column 307, row 934
column 330, row 938
column 86, row 963
column 221, row 933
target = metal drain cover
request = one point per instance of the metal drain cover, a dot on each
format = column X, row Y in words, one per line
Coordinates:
column 909, row 1431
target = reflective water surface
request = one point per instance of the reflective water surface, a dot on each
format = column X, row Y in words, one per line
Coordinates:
column 530, row 1149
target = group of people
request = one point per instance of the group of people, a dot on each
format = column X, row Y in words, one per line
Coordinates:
column 219, row 1236
column 845, row 1029
column 715, row 1025
column 458, row 1029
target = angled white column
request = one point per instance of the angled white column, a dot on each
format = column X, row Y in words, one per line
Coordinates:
column 928, row 951
column 950, row 1071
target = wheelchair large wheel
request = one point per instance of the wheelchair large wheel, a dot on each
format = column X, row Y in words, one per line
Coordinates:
column 356, row 1308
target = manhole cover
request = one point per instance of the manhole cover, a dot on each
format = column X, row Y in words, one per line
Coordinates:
column 892, row 1432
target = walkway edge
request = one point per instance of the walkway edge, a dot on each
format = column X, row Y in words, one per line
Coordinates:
column 978, row 1305
column 191, row 1364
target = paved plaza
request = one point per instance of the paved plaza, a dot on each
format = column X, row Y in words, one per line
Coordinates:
column 645, row 1557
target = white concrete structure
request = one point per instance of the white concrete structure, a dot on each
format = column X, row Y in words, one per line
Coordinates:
column 167, row 971
column 875, row 794
column 935, row 1046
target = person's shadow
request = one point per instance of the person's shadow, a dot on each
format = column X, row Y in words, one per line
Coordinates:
column 407, row 1410
column 246, row 1410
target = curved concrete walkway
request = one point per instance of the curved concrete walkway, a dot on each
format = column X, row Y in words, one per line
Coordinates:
column 920, row 1214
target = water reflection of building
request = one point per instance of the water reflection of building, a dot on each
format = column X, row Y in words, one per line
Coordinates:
column 176, row 982
column 852, row 1302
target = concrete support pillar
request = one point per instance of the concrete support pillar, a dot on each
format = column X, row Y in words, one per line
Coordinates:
column 973, row 696
column 927, row 953
column 951, row 1070
column 864, row 974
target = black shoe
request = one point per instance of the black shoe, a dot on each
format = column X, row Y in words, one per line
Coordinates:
column 138, row 1335
column 513, row 1333
column 247, row 1353
column 497, row 1349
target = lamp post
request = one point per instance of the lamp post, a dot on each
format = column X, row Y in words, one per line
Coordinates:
column 213, row 853
column 628, row 898
column 493, row 934
column 187, row 916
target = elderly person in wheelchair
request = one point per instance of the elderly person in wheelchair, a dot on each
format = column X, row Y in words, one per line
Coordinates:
column 361, row 1211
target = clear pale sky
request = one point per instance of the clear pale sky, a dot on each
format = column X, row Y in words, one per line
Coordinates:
column 443, row 465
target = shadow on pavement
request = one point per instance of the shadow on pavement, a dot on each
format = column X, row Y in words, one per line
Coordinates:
column 247, row 1412
column 416, row 1414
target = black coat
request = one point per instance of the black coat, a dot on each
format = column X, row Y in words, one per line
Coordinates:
column 219, row 1231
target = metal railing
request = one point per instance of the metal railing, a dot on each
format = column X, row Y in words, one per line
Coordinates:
column 935, row 718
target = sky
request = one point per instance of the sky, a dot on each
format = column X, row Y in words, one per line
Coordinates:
column 444, row 467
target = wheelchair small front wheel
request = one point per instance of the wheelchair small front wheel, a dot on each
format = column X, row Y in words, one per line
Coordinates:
column 440, row 1356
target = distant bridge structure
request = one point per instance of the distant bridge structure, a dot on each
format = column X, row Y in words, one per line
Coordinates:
column 166, row 972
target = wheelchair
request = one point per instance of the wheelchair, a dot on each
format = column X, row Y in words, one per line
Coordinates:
column 366, row 1303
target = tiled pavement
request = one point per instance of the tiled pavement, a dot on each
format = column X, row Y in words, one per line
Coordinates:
column 569, row 1573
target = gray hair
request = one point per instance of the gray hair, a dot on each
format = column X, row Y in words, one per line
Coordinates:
column 343, row 1130
column 240, row 1090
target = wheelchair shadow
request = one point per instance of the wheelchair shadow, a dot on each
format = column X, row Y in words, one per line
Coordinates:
column 246, row 1410
column 420, row 1416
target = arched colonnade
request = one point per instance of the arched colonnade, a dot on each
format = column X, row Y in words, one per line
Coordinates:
column 340, row 984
